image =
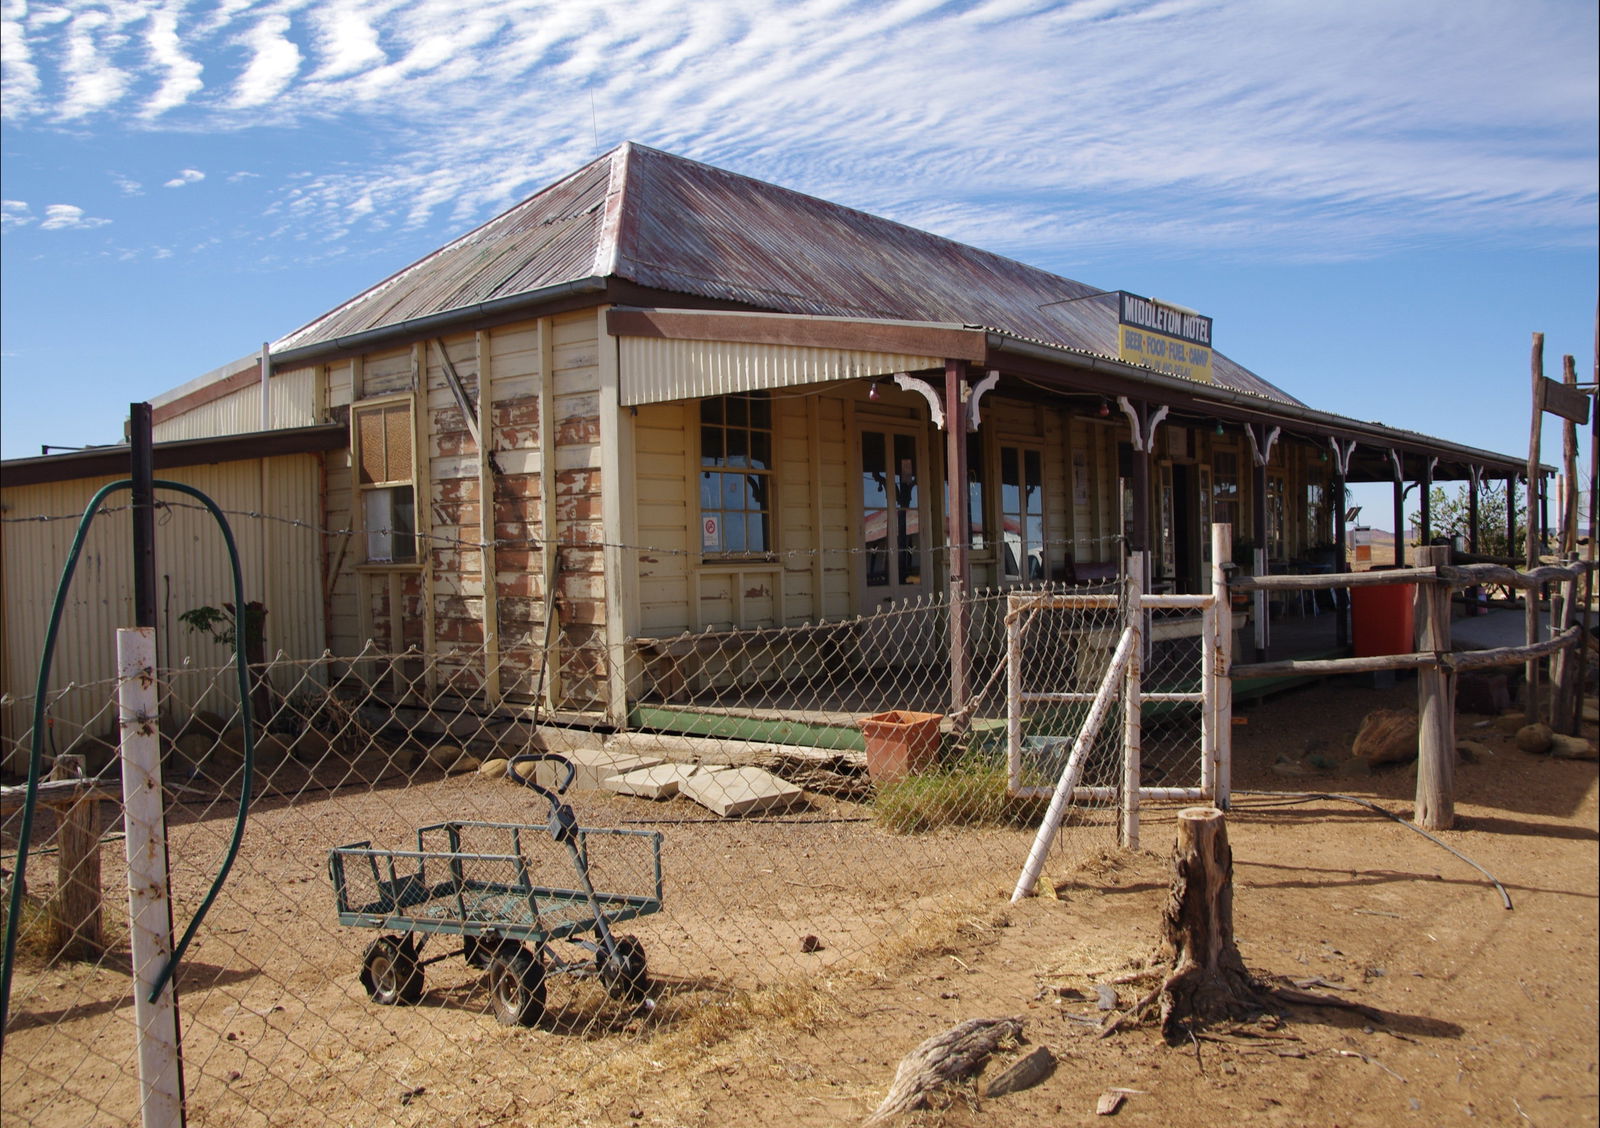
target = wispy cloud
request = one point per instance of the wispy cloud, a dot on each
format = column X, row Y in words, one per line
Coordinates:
column 92, row 81
column 1059, row 127
column 275, row 58
column 15, row 213
column 19, row 77
column 179, row 73
column 68, row 217
column 185, row 176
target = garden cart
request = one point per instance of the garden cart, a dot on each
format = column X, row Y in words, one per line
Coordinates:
column 510, row 891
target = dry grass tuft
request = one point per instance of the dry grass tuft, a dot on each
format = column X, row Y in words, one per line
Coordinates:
column 695, row 1039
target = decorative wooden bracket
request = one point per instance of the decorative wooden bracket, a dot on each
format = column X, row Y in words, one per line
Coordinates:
column 1260, row 451
column 1144, row 435
column 910, row 383
column 984, row 385
column 1341, row 455
column 1399, row 470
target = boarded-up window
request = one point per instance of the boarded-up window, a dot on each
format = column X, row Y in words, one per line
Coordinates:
column 381, row 442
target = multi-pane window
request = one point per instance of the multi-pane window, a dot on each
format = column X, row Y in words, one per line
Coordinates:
column 891, row 509
column 1022, row 513
column 381, row 439
column 736, row 475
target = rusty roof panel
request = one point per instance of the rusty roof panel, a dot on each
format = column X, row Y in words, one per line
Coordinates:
column 549, row 238
column 695, row 229
column 678, row 225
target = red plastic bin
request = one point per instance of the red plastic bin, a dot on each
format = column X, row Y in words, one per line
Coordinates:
column 1382, row 619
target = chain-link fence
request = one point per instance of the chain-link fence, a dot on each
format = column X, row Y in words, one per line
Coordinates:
column 812, row 796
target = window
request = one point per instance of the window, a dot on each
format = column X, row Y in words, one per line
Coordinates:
column 381, row 438
column 736, row 475
column 1226, row 490
column 1022, row 513
column 1277, row 538
column 975, row 479
column 891, row 508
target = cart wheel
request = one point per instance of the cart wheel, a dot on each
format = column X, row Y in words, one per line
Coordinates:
column 516, row 986
column 628, row 975
column 390, row 972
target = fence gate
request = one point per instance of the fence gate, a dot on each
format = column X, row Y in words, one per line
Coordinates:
column 1074, row 660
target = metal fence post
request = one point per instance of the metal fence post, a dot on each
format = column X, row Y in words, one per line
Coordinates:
column 149, row 896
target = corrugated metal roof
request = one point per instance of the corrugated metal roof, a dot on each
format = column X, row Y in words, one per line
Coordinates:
column 673, row 224
column 549, row 238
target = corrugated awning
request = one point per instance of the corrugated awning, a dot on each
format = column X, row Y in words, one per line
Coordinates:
column 687, row 354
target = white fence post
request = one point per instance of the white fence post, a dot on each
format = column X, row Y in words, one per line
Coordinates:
column 1217, row 740
column 1014, row 613
column 1132, row 741
column 149, row 896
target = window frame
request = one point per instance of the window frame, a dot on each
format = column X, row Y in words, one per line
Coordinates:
column 1022, row 449
column 768, row 474
column 362, row 491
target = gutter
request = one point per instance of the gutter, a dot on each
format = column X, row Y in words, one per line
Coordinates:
column 1255, row 407
column 112, row 461
column 404, row 332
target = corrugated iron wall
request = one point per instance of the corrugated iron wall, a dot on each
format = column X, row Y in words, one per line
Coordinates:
column 281, row 564
column 294, row 404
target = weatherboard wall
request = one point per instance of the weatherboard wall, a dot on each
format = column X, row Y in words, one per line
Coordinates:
column 543, row 510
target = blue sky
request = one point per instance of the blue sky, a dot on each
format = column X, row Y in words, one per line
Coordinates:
column 1377, row 202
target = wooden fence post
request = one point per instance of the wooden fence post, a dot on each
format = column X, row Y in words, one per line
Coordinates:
column 1564, row 665
column 75, row 912
column 1436, row 701
column 1530, row 596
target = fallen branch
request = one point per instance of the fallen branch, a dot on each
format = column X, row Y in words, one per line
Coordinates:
column 944, row 1060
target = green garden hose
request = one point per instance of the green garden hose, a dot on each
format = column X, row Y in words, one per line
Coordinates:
column 35, row 756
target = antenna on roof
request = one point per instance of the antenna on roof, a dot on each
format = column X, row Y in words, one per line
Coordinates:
column 594, row 120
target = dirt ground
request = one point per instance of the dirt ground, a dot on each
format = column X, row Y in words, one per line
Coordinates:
column 1487, row 1015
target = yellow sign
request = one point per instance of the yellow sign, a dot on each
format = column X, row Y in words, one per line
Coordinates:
column 1163, row 353
column 1164, row 337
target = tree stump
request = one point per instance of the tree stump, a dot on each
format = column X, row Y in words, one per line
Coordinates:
column 1208, row 981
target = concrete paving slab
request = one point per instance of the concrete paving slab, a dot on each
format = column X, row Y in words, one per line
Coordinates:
column 593, row 767
column 740, row 791
column 660, row 781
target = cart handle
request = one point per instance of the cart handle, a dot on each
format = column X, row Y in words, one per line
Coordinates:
column 540, row 757
column 563, row 823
